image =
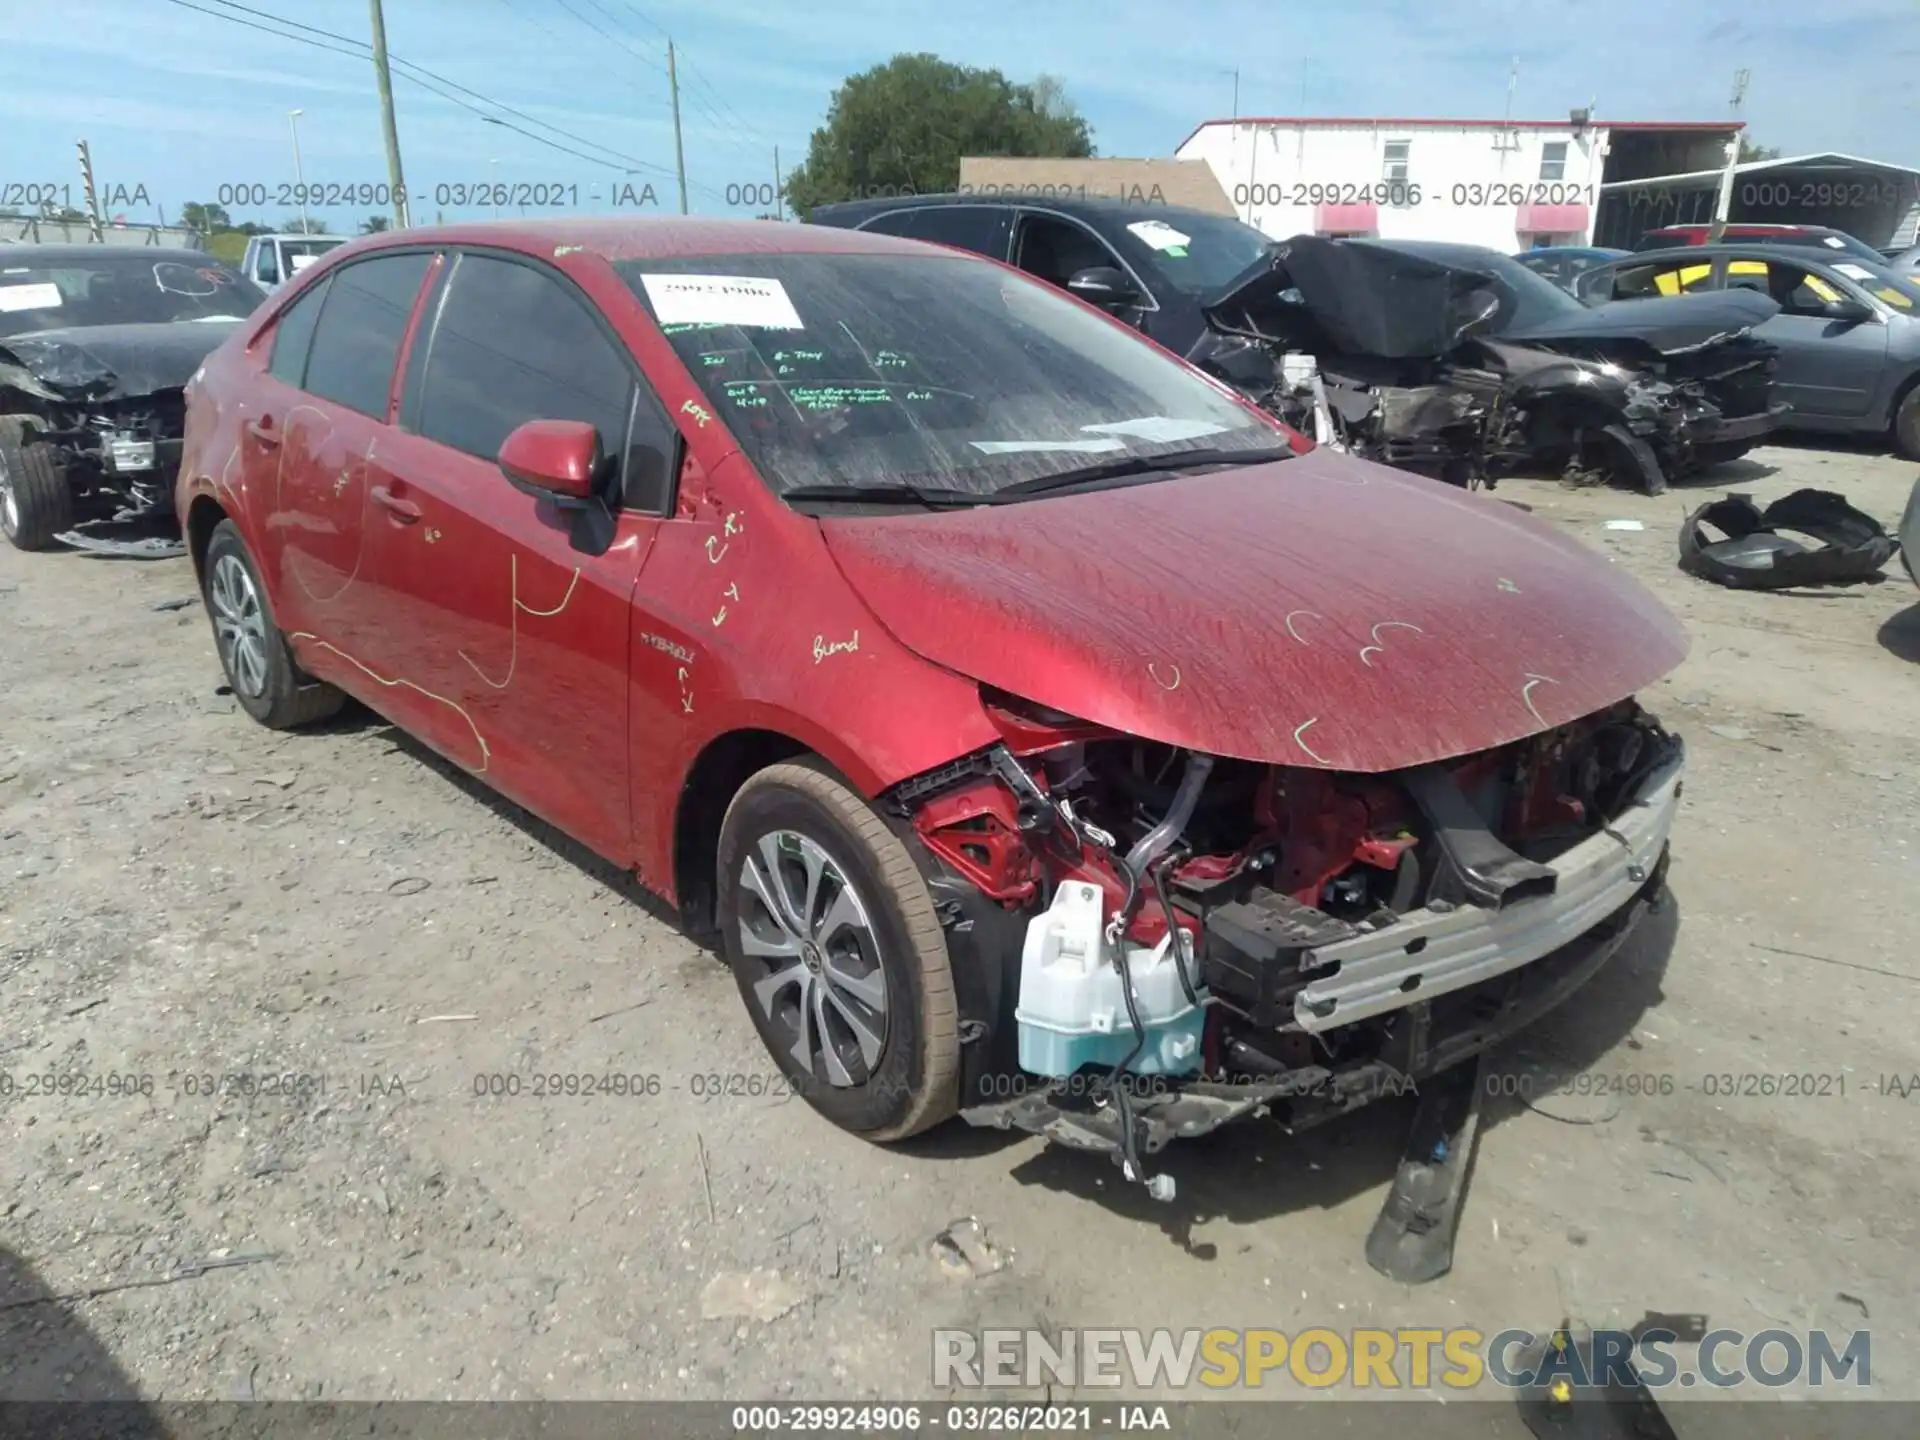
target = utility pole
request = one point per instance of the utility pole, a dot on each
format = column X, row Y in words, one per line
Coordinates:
column 385, row 78
column 679, row 155
column 94, row 232
column 299, row 175
column 1723, row 202
column 779, row 201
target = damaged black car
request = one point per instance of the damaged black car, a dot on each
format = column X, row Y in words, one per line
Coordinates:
column 1458, row 362
column 97, row 344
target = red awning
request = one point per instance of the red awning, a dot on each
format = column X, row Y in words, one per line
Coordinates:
column 1552, row 219
column 1346, row 219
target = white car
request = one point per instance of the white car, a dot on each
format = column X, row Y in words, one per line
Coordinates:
column 272, row 260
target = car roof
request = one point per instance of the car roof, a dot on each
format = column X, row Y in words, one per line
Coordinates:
column 1570, row 250
column 54, row 254
column 300, row 235
column 1700, row 254
column 650, row 238
column 1100, row 206
column 1750, row 227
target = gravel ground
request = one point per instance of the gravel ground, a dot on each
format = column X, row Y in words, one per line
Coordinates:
column 186, row 897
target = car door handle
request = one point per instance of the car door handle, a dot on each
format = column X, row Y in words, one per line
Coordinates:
column 404, row 510
column 262, row 430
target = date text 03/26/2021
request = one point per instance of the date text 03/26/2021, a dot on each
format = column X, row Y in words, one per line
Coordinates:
column 475, row 193
column 971, row 1419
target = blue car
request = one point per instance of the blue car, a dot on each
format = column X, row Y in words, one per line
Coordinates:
column 1562, row 264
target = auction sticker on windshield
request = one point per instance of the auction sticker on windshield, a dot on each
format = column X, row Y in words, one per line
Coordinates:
column 1160, row 235
column 721, row 300
column 42, row 296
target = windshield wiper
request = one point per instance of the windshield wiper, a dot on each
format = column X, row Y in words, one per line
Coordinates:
column 933, row 497
column 1146, row 465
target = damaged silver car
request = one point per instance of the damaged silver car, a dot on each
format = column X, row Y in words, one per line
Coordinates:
column 1460, row 363
column 97, row 345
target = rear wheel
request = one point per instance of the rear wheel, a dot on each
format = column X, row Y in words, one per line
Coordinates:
column 838, row 953
column 35, row 503
column 1906, row 424
column 259, row 667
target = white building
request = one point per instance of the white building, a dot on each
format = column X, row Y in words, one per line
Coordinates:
column 1505, row 184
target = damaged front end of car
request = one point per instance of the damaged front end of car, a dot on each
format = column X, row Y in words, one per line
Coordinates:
column 1150, row 942
column 104, row 417
column 1417, row 363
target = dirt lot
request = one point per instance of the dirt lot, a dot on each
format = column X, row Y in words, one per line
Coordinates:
column 184, row 895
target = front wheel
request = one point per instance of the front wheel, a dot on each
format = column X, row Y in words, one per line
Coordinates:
column 259, row 667
column 35, row 502
column 838, row 953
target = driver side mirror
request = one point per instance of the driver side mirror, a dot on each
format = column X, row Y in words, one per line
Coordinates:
column 560, row 457
column 1846, row 309
column 1104, row 286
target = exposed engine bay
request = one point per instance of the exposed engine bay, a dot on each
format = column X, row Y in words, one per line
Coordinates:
column 1163, row 941
column 1437, row 368
column 97, row 347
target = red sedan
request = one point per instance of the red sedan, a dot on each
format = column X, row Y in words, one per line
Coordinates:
column 1043, row 733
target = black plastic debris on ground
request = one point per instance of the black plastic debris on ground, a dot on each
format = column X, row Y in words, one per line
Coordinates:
column 1847, row 545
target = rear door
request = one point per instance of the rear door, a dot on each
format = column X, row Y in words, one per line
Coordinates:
column 513, row 613
column 313, row 450
column 1828, row 368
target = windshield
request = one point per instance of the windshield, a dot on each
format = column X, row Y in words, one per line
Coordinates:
column 1199, row 253
column 857, row 371
column 1527, row 299
column 298, row 254
column 1884, row 283
column 119, row 290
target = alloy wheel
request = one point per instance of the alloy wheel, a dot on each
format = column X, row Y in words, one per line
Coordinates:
column 240, row 625
column 823, row 986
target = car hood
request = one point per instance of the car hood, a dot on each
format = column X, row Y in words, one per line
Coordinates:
column 1670, row 325
column 1319, row 610
column 102, row 362
column 1318, row 294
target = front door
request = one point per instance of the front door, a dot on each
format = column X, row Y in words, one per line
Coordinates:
column 510, row 611
column 1828, row 367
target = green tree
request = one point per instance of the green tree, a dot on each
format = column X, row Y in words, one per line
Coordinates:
column 375, row 224
column 1749, row 152
column 905, row 125
column 294, row 225
column 204, row 219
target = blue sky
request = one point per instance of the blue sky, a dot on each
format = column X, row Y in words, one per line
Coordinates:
column 181, row 102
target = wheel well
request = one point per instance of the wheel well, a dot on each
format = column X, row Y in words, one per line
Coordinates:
column 202, row 517
column 1904, row 389
column 723, row 767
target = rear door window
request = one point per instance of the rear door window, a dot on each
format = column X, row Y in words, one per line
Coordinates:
column 357, row 338
column 293, row 336
column 983, row 229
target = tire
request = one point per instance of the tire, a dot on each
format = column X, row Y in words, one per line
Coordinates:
column 1906, row 424
column 905, row 1079
column 253, row 653
column 35, row 503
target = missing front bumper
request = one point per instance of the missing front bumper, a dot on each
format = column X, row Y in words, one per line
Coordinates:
column 1430, row 952
column 1434, row 1038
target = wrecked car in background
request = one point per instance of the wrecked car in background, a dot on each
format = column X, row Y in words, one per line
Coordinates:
column 1461, row 363
column 1050, row 737
column 97, row 344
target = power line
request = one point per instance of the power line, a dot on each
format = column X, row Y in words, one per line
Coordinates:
column 609, row 35
column 432, row 82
